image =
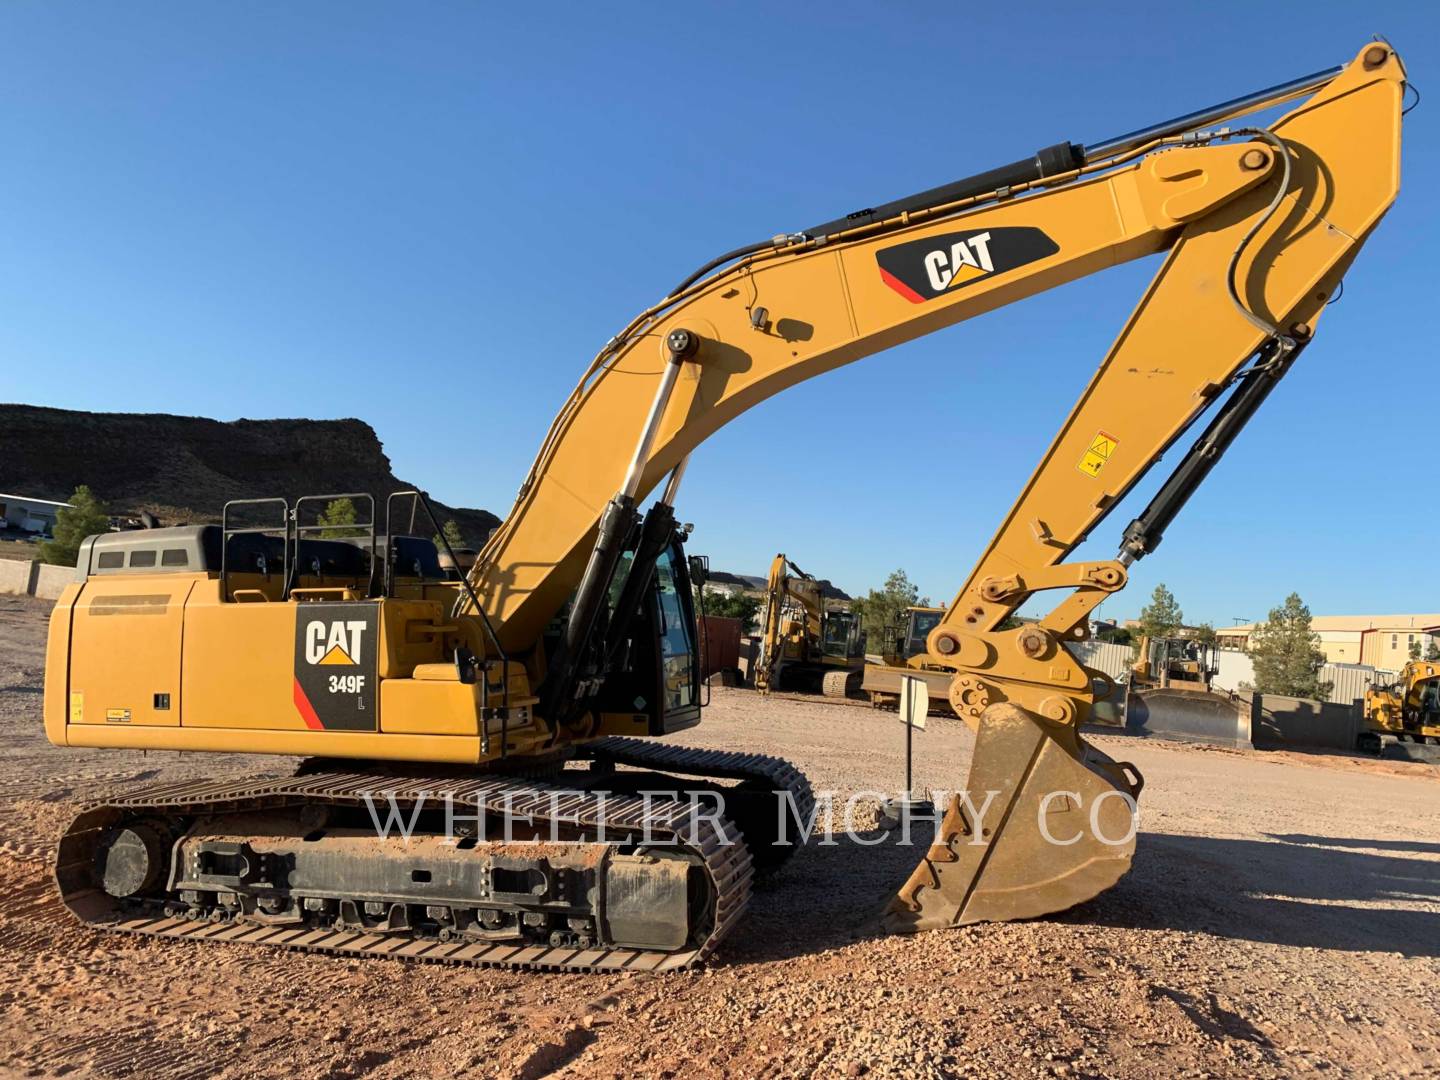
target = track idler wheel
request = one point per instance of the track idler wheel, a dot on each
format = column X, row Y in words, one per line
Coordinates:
column 131, row 859
column 1058, row 829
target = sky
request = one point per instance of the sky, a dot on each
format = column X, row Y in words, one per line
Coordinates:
column 431, row 215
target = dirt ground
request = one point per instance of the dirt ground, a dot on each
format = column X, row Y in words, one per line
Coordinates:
column 1283, row 916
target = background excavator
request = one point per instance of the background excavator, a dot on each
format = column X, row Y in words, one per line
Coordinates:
column 525, row 692
column 1407, row 707
column 807, row 642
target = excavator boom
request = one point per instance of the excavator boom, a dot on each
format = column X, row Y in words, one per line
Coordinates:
column 1259, row 226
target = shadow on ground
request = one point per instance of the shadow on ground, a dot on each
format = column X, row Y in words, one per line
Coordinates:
column 829, row 895
column 1297, row 890
column 1305, row 891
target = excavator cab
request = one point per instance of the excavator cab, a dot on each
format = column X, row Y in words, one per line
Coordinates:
column 842, row 640
column 919, row 623
column 907, row 636
column 654, row 674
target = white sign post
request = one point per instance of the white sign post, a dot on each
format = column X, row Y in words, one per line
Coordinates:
column 914, row 707
column 914, row 702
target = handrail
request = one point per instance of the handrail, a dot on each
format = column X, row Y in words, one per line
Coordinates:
column 227, row 531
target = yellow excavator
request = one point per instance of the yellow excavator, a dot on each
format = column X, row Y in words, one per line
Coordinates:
column 443, row 723
column 806, row 641
column 1408, row 707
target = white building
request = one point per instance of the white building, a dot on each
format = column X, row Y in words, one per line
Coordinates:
column 29, row 514
column 1382, row 641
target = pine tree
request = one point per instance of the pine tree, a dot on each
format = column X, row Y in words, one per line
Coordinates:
column 452, row 534
column 1414, row 650
column 1433, row 651
column 1286, row 653
column 85, row 516
column 339, row 512
column 1205, row 634
column 1160, row 618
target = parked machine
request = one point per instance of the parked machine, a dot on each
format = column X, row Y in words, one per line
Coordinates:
column 528, row 691
column 911, row 635
column 881, row 681
column 1407, row 707
column 807, row 642
column 1173, row 664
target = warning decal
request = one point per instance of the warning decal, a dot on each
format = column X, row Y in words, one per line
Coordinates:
column 1101, row 447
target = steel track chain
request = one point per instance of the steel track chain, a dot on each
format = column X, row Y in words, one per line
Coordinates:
column 727, row 864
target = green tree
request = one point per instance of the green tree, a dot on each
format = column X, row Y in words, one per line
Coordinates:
column 740, row 606
column 882, row 610
column 85, row 516
column 1414, row 650
column 1286, row 653
column 452, row 534
column 1433, row 651
column 341, row 513
column 1205, row 634
column 1162, row 617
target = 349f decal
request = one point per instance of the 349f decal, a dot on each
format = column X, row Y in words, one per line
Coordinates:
column 922, row 270
column 336, row 665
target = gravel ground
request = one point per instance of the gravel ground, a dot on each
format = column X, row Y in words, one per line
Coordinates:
column 1283, row 916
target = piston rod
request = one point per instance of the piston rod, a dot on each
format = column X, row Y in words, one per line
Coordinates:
column 1066, row 156
column 1247, row 103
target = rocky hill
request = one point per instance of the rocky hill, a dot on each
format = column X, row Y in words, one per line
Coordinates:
column 184, row 468
column 758, row 583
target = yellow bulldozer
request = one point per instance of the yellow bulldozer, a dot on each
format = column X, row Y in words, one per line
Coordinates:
column 1172, row 663
column 909, row 638
column 444, row 723
column 807, row 641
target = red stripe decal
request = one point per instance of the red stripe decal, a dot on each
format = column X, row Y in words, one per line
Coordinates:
column 900, row 287
column 306, row 710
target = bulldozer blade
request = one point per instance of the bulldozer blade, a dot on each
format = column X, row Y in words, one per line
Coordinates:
column 1058, row 830
column 1196, row 716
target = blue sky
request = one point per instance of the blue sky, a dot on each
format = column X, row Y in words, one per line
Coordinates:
column 431, row 215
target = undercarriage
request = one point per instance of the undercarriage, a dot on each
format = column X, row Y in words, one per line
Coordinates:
column 616, row 866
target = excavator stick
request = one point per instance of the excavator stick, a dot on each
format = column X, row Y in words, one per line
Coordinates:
column 1045, row 822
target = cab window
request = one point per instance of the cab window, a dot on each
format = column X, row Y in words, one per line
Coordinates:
column 677, row 647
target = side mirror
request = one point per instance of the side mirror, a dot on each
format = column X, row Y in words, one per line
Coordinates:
column 699, row 569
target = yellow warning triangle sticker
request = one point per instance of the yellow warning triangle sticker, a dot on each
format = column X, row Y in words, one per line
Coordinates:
column 337, row 655
column 1101, row 447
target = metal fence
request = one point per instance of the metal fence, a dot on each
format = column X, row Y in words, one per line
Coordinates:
column 1112, row 659
column 1348, row 681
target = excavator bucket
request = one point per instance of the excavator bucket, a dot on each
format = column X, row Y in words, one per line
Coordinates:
column 1058, row 829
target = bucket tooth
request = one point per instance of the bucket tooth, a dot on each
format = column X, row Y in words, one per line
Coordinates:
column 1040, row 845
